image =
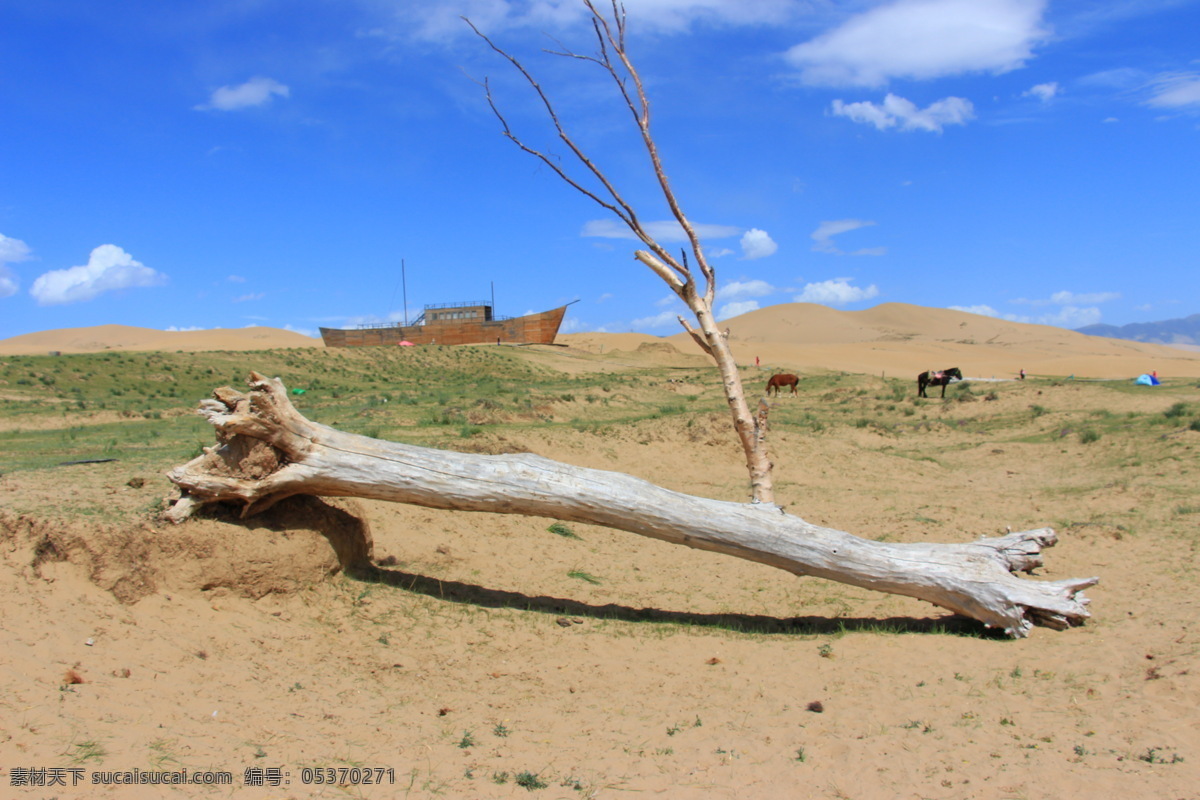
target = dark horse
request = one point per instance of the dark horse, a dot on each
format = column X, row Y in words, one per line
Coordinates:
column 941, row 379
column 777, row 382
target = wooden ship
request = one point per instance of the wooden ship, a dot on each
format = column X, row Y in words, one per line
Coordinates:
column 469, row 322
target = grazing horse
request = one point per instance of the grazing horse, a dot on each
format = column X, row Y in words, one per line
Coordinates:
column 941, row 379
column 777, row 382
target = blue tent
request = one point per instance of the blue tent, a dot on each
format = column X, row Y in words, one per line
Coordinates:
column 1146, row 380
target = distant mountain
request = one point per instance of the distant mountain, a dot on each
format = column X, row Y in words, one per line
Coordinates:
column 1185, row 330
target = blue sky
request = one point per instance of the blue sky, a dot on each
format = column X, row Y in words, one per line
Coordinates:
column 257, row 162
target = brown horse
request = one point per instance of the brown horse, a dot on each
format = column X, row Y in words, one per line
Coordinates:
column 777, row 382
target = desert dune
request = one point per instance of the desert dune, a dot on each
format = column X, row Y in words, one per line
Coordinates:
column 890, row 339
column 899, row 339
column 103, row 338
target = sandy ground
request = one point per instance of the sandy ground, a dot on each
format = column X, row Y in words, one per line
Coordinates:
column 497, row 659
column 102, row 338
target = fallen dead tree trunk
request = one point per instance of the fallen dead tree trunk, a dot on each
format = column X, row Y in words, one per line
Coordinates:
column 268, row 451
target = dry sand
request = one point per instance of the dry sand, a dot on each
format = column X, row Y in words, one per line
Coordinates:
column 896, row 339
column 890, row 339
column 103, row 338
column 233, row 646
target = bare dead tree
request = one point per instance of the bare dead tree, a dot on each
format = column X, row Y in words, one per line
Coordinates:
column 697, row 291
column 268, row 451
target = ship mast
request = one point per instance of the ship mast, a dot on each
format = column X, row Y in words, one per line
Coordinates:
column 404, row 283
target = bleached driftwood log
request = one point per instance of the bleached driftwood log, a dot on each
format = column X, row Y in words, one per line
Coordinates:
column 268, row 451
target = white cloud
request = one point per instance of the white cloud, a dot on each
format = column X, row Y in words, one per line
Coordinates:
column 730, row 310
column 109, row 268
column 1071, row 298
column 982, row 310
column 573, row 325
column 670, row 299
column 1075, row 310
column 836, row 292
column 1176, row 90
column 823, row 237
column 254, row 92
column 662, row 230
column 1064, row 298
column 440, row 21
column 1065, row 317
column 866, row 113
column 661, row 320
column 248, row 297
column 897, row 112
column 923, row 39
column 682, row 15
column 1119, row 79
column 737, row 290
column 757, row 244
column 309, row 332
column 1071, row 317
column 1044, row 92
column 11, row 251
column 369, row 319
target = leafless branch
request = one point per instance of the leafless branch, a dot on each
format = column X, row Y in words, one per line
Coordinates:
column 617, row 204
column 613, row 58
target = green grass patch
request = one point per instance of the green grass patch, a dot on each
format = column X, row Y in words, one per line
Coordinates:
column 562, row 529
column 587, row 577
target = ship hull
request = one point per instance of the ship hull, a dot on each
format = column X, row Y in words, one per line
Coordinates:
column 539, row 328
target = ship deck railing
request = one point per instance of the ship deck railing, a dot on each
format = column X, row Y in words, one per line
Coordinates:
column 419, row 322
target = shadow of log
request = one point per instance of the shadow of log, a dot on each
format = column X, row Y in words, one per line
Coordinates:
column 473, row 594
column 350, row 537
column 345, row 529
